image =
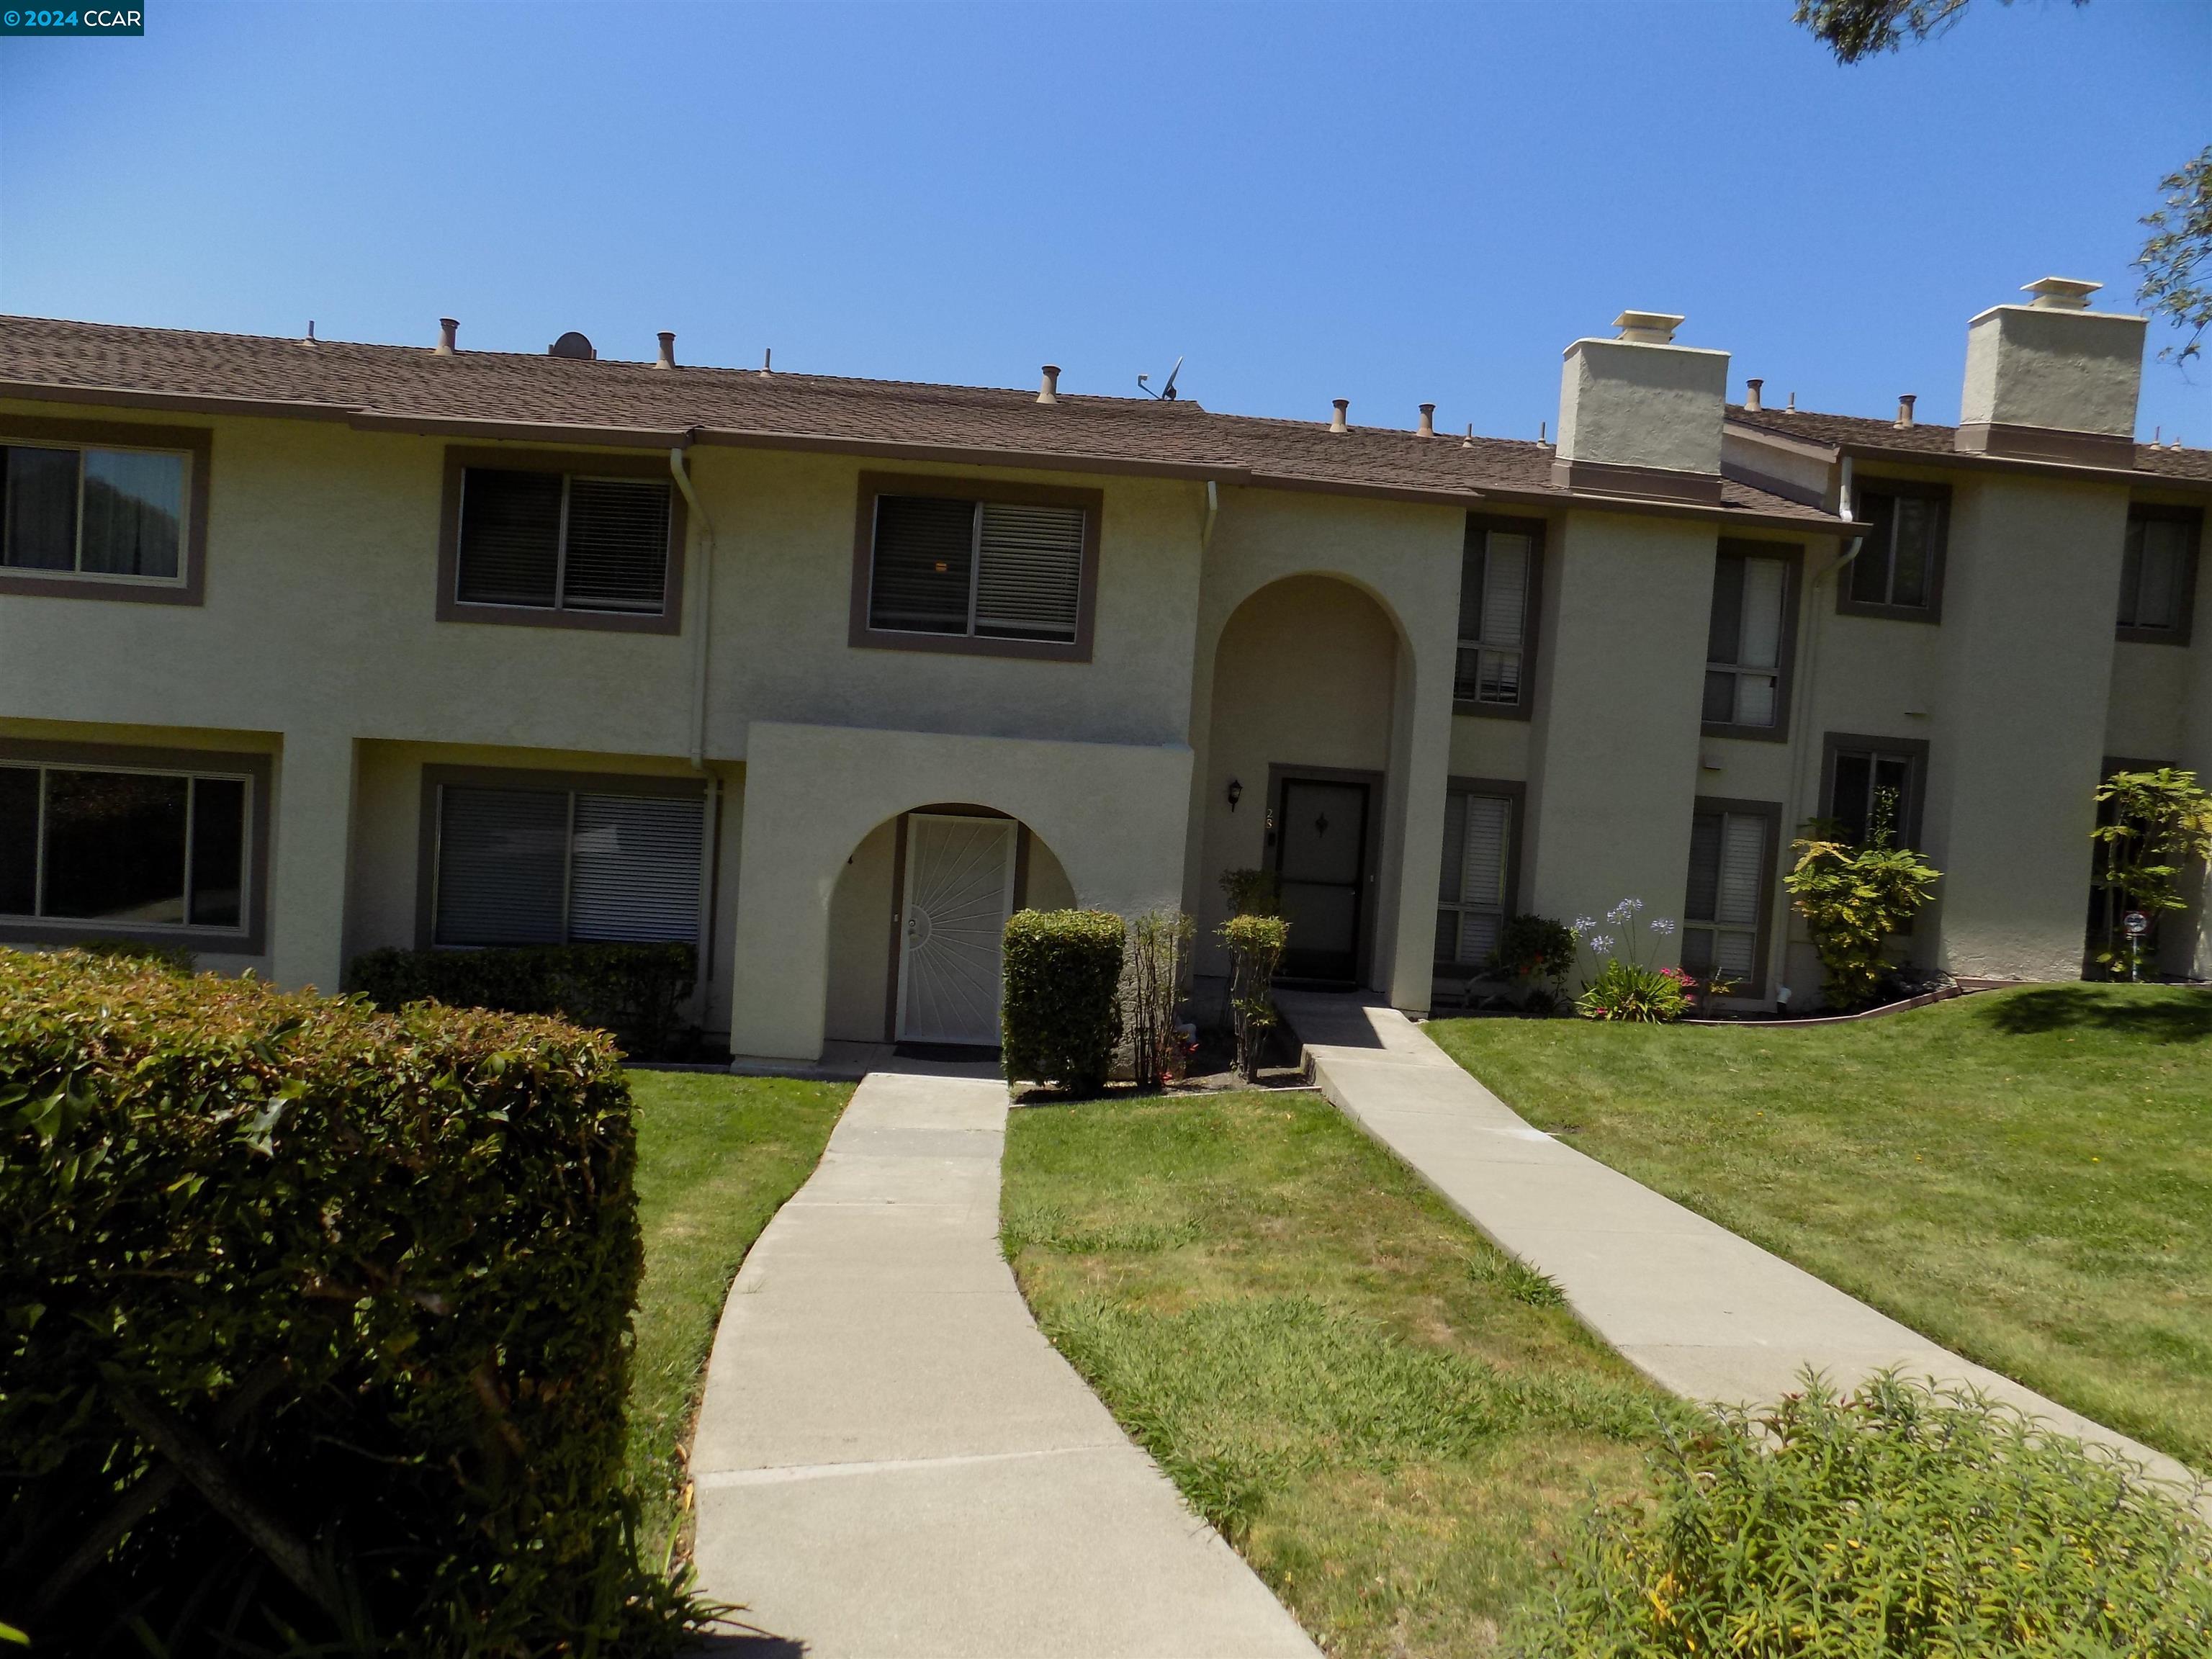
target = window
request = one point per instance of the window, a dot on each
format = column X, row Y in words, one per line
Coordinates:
column 557, row 866
column 1899, row 569
column 561, row 541
column 979, row 569
column 1748, row 642
column 126, row 849
column 1499, row 575
column 1724, row 909
column 2158, row 575
column 116, row 514
column 1475, row 889
column 1874, row 785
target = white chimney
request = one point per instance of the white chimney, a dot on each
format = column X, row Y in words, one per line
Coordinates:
column 2052, row 380
column 447, row 329
column 1640, row 415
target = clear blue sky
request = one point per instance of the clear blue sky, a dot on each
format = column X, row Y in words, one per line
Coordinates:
column 1387, row 204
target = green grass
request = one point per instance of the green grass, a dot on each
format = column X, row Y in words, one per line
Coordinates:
column 717, row 1156
column 1393, row 1422
column 2026, row 1176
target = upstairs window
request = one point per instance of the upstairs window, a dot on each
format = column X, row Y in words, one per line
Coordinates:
column 113, row 514
column 1875, row 788
column 562, row 541
column 1747, row 643
column 1725, row 908
column 519, row 865
column 994, row 569
column 1899, row 569
column 2157, row 574
column 1473, row 894
column 1498, row 572
column 127, row 849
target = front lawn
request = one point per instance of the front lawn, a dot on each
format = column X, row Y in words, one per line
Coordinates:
column 717, row 1156
column 2025, row 1175
column 1393, row 1422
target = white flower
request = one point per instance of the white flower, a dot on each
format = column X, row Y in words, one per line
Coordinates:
column 1582, row 924
column 1661, row 925
column 1601, row 942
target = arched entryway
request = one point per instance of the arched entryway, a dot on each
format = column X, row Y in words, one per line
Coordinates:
column 915, row 920
column 1296, row 768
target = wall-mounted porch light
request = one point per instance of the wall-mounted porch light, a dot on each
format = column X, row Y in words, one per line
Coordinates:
column 1235, row 793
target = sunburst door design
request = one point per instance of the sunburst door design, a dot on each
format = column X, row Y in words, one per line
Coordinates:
column 959, row 891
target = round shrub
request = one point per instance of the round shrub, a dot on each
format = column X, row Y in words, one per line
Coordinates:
column 1061, row 1013
column 1902, row 1522
column 1625, row 990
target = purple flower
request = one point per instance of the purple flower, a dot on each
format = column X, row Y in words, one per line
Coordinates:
column 1663, row 926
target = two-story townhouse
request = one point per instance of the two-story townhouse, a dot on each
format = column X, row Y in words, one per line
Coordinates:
column 308, row 647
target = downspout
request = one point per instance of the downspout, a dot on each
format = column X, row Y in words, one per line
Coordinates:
column 703, row 622
column 1212, row 510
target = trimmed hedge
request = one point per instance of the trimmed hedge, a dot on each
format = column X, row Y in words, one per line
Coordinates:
column 365, row 1282
column 631, row 990
column 1061, row 1013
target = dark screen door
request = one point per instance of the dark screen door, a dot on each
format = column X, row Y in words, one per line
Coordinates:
column 1320, row 858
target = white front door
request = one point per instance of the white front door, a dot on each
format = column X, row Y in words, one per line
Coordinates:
column 959, row 892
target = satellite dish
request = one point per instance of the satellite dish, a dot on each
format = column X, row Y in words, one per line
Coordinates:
column 573, row 344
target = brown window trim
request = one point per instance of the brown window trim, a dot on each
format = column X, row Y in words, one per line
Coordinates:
column 1769, row 878
column 1531, row 642
column 582, row 464
column 1792, row 556
column 1834, row 743
column 2194, row 519
column 1517, row 794
column 667, row 785
column 1932, row 612
column 249, row 941
column 861, row 636
column 197, row 442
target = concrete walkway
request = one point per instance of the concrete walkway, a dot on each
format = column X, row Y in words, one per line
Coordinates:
column 1700, row 1311
column 891, row 1459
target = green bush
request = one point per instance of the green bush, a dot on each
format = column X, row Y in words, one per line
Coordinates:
column 314, row 1323
column 1255, row 945
column 1061, row 1014
column 174, row 957
column 1902, row 1522
column 1531, row 948
column 1625, row 990
column 631, row 990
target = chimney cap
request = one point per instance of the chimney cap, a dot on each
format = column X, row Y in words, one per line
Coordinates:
column 2060, row 293
column 1648, row 327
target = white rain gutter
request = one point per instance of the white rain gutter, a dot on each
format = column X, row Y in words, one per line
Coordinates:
column 1212, row 510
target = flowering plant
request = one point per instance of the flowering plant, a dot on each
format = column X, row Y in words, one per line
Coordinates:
column 1625, row 986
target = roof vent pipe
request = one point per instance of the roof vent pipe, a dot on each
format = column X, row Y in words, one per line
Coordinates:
column 447, row 328
column 1905, row 409
column 1751, row 405
column 1428, row 420
column 667, row 358
column 1336, row 422
column 1048, row 389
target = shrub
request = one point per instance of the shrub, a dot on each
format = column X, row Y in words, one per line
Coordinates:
column 354, row 1287
column 2154, row 828
column 1153, row 981
column 1853, row 899
column 1061, row 1015
column 1903, row 1521
column 631, row 990
column 1536, row 948
column 1624, row 991
column 174, row 957
column 1252, row 892
column 1255, row 944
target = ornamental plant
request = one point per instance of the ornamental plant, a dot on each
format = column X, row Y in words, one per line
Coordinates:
column 1061, row 1015
column 1900, row 1522
column 1624, row 986
column 1154, row 976
column 1255, row 944
column 2154, row 829
column 1539, row 953
column 1854, row 899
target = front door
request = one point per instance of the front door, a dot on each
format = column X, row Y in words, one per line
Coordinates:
column 1321, row 860
column 959, row 892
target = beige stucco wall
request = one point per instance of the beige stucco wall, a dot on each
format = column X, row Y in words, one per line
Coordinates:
column 2077, row 371
column 1613, row 766
column 2147, row 714
column 2031, row 593
column 1628, row 403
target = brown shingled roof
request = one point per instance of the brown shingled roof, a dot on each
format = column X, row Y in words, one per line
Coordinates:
column 1931, row 441
column 610, row 403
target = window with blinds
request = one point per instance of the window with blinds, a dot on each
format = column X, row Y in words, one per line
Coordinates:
column 1900, row 567
column 1472, row 899
column 981, row 569
column 2157, row 574
column 1497, row 575
column 563, row 541
column 555, row 866
column 1724, row 909
column 1744, row 640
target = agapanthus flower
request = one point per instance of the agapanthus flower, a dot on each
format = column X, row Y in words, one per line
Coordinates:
column 1663, row 925
column 1601, row 942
